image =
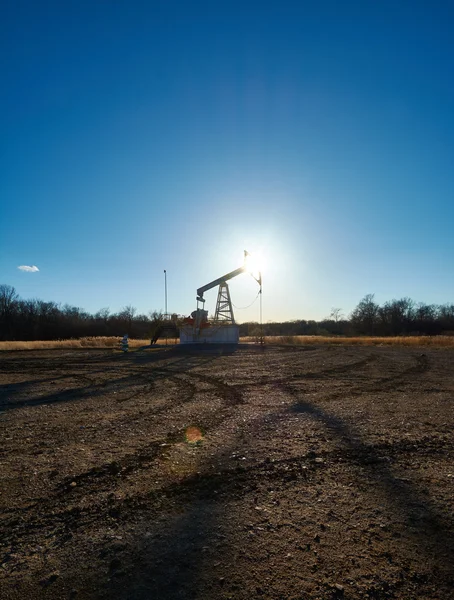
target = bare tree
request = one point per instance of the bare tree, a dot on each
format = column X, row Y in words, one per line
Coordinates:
column 103, row 314
column 127, row 314
column 8, row 298
column 364, row 316
column 8, row 304
column 397, row 316
column 336, row 314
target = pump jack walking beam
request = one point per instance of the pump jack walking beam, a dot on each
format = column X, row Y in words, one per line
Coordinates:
column 225, row 278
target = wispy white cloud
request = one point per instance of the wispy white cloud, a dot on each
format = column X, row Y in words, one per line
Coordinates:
column 28, row 269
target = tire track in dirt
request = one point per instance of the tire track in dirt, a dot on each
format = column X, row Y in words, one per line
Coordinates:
column 304, row 466
column 54, row 512
column 111, row 472
column 64, row 520
column 421, row 366
column 186, row 391
column 231, row 394
column 234, row 482
column 187, row 381
column 404, row 497
column 46, row 363
column 53, row 397
column 141, row 459
column 93, row 388
column 105, row 477
column 78, row 518
column 336, row 370
column 120, row 468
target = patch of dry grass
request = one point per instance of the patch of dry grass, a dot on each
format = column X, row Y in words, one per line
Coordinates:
column 85, row 342
column 302, row 340
column 288, row 340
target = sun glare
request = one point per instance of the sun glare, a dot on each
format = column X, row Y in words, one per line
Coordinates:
column 255, row 264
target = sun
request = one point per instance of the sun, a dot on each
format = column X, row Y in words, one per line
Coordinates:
column 255, row 264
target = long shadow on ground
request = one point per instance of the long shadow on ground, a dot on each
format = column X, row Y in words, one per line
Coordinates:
column 176, row 558
column 177, row 361
column 434, row 531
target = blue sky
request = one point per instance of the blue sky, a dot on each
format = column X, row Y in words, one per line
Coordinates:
column 142, row 136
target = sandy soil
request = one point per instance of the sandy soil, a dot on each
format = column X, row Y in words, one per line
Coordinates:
column 283, row 473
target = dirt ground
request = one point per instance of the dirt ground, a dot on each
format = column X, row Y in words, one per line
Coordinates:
column 276, row 473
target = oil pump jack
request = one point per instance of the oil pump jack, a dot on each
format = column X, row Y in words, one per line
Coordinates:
column 222, row 329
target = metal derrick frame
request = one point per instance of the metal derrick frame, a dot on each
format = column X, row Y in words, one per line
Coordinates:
column 224, row 309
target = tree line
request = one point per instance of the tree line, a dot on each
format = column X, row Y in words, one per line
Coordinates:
column 393, row 318
column 29, row 320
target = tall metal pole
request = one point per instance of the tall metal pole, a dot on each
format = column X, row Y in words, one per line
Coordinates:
column 165, row 287
column 261, row 320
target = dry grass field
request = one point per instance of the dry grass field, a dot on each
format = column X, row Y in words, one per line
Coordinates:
column 85, row 342
column 436, row 340
column 292, row 340
column 284, row 472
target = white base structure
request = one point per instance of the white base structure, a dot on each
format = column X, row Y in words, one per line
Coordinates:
column 216, row 334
